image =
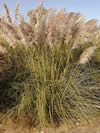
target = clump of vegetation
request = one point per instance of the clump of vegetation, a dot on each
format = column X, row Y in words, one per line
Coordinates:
column 45, row 85
column 46, row 74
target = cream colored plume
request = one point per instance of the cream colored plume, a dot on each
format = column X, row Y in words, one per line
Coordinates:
column 40, row 6
column 7, row 13
column 2, row 49
column 49, row 26
column 87, row 54
column 16, row 13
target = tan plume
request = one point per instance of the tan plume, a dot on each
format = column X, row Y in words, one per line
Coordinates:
column 16, row 13
column 7, row 13
column 87, row 54
column 2, row 49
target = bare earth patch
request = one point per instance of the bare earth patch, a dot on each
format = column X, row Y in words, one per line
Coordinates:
column 91, row 127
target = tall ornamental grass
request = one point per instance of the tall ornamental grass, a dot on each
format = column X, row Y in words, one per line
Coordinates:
column 48, row 85
column 49, row 67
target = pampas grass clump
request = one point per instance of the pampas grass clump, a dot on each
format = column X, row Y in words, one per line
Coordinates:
column 42, row 76
column 44, row 85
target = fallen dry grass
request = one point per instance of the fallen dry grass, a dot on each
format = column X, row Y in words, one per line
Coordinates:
column 92, row 127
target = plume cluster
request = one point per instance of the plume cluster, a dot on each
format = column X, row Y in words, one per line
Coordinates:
column 48, row 26
column 87, row 54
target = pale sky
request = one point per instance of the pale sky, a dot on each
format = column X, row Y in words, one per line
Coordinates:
column 89, row 8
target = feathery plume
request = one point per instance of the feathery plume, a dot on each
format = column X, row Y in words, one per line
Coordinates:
column 87, row 54
column 7, row 13
column 2, row 19
column 26, row 32
column 8, row 31
column 2, row 49
column 39, row 6
column 16, row 13
column 46, row 25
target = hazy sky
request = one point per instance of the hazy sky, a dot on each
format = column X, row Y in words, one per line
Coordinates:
column 89, row 8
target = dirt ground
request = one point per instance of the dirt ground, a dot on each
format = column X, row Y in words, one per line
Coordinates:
column 91, row 127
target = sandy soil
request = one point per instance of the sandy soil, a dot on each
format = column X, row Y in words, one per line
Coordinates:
column 91, row 127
